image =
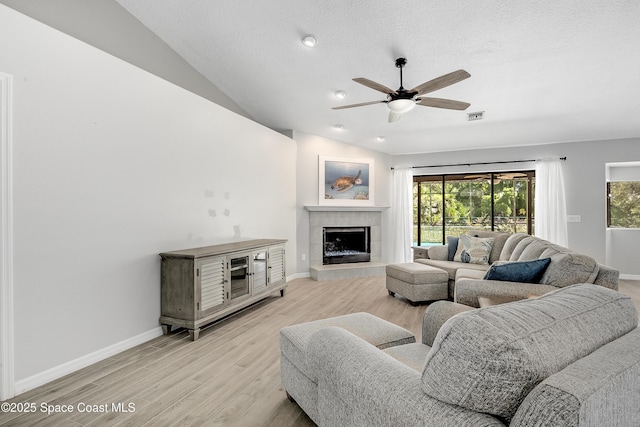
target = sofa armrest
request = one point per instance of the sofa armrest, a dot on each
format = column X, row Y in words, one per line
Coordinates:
column 435, row 315
column 607, row 277
column 467, row 291
column 359, row 385
column 439, row 252
column 601, row 389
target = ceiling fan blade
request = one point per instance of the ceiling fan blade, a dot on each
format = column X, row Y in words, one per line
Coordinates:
column 394, row 117
column 373, row 85
column 358, row 105
column 443, row 103
column 440, row 82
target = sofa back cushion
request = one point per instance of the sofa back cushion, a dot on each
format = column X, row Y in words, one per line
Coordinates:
column 510, row 245
column 489, row 359
column 567, row 267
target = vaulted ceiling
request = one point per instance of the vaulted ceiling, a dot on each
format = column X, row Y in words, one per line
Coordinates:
column 541, row 72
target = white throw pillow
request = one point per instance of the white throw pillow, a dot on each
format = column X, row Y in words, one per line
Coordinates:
column 474, row 250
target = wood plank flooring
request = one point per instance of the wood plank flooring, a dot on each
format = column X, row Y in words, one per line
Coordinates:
column 229, row 377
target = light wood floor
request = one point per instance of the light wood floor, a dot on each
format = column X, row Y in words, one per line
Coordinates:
column 229, row 377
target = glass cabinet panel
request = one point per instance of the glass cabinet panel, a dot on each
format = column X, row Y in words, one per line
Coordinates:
column 239, row 276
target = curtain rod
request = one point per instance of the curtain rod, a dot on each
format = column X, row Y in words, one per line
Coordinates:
column 476, row 163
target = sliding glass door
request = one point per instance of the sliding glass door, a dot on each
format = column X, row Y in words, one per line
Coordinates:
column 450, row 205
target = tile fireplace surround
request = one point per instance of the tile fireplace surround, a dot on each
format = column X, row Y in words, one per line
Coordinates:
column 334, row 216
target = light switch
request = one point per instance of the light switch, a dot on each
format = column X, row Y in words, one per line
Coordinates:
column 574, row 218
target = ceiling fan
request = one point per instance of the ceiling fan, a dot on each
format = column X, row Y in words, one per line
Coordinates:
column 402, row 100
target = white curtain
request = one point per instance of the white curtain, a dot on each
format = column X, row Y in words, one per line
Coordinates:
column 402, row 215
column 550, row 204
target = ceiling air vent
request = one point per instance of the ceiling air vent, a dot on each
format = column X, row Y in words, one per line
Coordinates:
column 475, row 116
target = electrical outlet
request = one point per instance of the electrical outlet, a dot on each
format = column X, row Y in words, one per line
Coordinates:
column 574, row 218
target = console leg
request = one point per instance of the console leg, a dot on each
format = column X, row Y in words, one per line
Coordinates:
column 281, row 292
column 392, row 293
column 166, row 329
column 194, row 334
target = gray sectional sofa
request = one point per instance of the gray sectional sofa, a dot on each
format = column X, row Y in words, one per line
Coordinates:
column 566, row 267
column 567, row 358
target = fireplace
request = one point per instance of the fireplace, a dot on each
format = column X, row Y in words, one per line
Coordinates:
column 343, row 245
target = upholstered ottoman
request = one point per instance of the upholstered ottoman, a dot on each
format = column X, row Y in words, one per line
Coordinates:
column 295, row 365
column 417, row 282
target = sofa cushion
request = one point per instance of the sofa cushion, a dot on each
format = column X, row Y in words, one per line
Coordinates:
column 510, row 244
column 518, row 271
column 489, row 359
column 534, row 249
column 520, row 247
column 569, row 268
column 452, row 247
column 476, row 250
column 451, row 267
column 499, row 239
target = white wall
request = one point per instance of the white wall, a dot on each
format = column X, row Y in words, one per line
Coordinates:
column 113, row 165
column 584, row 173
column 309, row 148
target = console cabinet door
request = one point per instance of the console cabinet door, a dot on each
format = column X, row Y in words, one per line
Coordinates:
column 211, row 285
column 276, row 265
column 259, row 271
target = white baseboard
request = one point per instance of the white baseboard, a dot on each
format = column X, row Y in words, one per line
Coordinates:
column 298, row 276
column 630, row 277
column 84, row 361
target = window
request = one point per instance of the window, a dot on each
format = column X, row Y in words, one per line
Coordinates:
column 623, row 204
column 623, row 194
column 449, row 205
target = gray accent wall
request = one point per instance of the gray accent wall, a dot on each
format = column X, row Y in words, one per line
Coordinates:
column 585, row 178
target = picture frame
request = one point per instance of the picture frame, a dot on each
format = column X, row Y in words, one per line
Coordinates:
column 345, row 181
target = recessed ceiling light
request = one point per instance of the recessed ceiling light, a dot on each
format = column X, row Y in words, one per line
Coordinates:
column 338, row 127
column 340, row 94
column 309, row 40
column 380, row 138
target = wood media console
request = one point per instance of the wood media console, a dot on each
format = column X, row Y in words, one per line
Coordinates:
column 202, row 285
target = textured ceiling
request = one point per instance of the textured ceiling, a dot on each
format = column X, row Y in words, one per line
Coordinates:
column 542, row 72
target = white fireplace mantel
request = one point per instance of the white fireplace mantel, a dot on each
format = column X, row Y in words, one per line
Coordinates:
column 317, row 208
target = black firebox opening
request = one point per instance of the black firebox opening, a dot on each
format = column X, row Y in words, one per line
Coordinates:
column 346, row 244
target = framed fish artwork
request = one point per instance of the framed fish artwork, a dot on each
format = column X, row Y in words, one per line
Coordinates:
column 345, row 181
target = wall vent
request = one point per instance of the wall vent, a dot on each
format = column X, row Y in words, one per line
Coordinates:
column 475, row 116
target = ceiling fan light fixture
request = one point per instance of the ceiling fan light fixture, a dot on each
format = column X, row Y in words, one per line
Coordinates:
column 340, row 94
column 401, row 105
column 380, row 138
column 338, row 127
column 309, row 40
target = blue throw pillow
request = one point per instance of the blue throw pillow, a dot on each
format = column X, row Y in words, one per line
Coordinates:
column 518, row 271
column 452, row 245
